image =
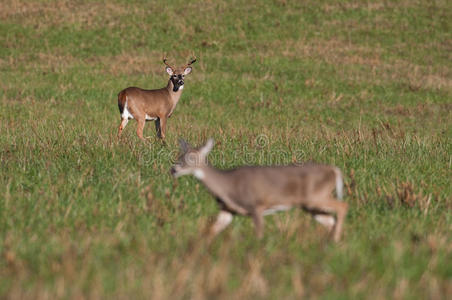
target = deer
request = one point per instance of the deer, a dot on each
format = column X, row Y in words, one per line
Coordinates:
column 153, row 105
column 258, row 191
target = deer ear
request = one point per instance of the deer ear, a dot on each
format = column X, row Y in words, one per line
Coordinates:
column 207, row 147
column 169, row 71
column 184, row 146
column 187, row 70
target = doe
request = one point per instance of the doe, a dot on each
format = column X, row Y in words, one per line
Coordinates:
column 259, row 191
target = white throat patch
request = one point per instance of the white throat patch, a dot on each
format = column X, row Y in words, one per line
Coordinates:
column 198, row 173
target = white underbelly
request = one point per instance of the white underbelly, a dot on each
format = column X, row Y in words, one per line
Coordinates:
column 275, row 209
column 148, row 118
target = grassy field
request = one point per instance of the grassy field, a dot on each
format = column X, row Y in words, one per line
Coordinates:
column 364, row 85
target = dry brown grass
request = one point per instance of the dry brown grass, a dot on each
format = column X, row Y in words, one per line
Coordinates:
column 346, row 56
column 48, row 14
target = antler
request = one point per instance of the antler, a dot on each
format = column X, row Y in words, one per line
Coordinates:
column 187, row 65
column 191, row 62
column 164, row 61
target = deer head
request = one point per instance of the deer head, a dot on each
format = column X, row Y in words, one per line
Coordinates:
column 191, row 160
column 177, row 74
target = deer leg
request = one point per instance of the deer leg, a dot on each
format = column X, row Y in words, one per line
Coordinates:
column 331, row 206
column 122, row 126
column 140, row 128
column 224, row 218
column 158, row 128
column 258, row 220
column 162, row 127
column 341, row 212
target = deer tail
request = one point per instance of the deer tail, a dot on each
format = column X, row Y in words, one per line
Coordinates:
column 339, row 183
column 122, row 98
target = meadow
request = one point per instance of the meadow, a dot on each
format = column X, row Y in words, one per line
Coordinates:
column 363, row 85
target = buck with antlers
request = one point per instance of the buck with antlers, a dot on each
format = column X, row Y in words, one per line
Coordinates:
column 147, row 105
column 260, row 191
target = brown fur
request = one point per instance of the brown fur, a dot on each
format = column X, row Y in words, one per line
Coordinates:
column 158, row 104
column 121, row 101
column 255, row 191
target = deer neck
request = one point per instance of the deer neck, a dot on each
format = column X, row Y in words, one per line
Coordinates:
column 215, row 180
column 174, row 96
column 219, row 183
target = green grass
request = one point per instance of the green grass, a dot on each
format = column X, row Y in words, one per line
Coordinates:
column 364, row 85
